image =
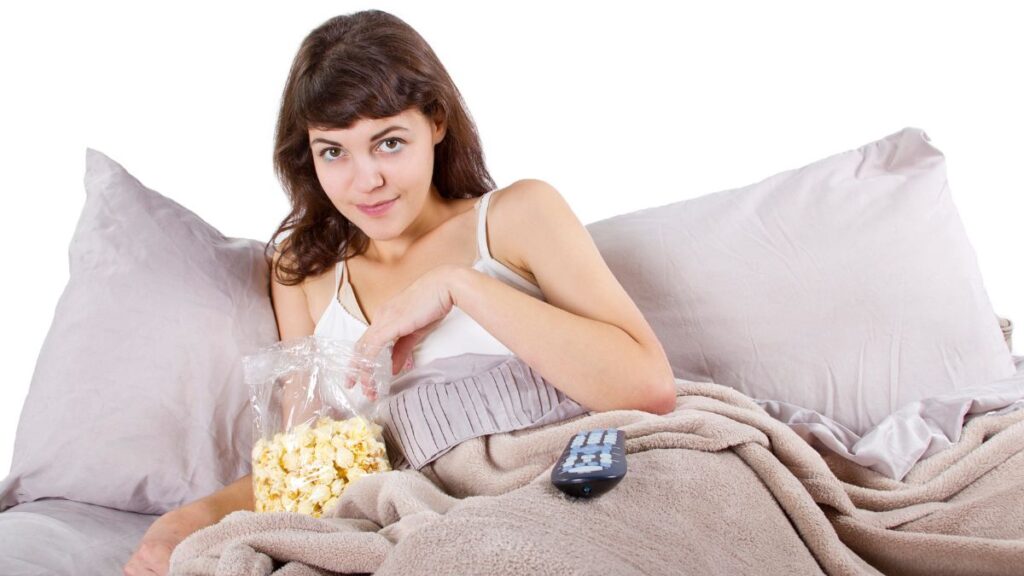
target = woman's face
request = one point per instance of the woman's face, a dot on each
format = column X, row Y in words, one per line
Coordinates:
column 386, row 160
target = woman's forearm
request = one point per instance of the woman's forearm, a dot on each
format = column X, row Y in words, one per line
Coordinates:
column 235, row 496
column 153, row 555
column 597, row 364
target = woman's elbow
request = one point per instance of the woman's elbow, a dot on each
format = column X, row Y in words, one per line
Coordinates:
column 661, row 395
column 663, row 399
column 661, row 391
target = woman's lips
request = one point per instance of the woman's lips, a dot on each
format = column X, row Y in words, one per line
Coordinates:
column 376, row 210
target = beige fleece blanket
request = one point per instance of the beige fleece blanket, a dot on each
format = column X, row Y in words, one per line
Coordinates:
column 716, row 487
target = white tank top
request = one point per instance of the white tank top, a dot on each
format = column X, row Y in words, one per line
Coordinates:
column 464, row 382
column 456, row 334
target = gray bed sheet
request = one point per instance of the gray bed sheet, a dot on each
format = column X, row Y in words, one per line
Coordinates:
column 53, row 536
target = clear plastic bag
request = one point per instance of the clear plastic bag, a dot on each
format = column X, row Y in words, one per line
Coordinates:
column 313, row 435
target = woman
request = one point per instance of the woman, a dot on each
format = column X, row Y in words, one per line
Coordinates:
column 397, row 236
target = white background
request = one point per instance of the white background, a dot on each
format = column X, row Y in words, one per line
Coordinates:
column 620, row 105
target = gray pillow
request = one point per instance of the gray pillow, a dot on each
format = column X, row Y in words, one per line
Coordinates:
column 137, row 401
column 846, row 288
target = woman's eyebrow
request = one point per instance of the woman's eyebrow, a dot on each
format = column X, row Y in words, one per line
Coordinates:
column 374, row 137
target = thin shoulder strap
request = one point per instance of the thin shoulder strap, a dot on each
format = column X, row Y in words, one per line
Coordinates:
column 481, row 226
column 338, row 269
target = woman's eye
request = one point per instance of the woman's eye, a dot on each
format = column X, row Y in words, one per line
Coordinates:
column 324, row 154
column 392, row 140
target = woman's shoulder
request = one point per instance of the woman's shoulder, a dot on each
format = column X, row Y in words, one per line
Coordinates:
column 524, row 196
column 515, row 201
column 291, row 301
column 516, row 205
column 512, row 218
column 313, row 290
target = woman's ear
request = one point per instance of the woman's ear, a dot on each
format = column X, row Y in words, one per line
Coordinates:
column 440, row 128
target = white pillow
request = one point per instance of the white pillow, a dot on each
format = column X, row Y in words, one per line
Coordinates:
column 137, row 401
column 846, row 287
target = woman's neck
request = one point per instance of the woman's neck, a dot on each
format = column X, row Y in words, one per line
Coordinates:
column 434, row 215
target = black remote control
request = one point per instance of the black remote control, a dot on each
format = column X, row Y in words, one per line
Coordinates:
column 593, row 462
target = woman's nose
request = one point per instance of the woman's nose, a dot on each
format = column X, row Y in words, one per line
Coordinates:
column 368, row 175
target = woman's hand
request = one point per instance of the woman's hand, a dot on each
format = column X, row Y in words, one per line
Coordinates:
column 405, row 320
column 153, row 555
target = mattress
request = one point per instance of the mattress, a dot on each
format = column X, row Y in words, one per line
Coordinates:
column 57, row 537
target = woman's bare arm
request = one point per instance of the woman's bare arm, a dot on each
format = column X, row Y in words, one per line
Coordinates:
column 588, row 338
column 235, row 496
column 153, row 555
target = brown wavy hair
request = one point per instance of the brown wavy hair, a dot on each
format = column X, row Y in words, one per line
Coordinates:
column 364, row 65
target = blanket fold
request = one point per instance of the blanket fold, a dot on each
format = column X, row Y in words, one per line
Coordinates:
column 715, row 487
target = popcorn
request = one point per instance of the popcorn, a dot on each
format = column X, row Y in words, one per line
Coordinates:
column 306, row 470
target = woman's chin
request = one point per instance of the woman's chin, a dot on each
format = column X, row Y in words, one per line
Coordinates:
column 379, row 232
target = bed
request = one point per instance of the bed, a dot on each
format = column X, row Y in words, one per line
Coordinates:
column 847, row 401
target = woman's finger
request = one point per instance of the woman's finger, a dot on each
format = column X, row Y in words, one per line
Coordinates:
column 357, row 366
column 398, row 361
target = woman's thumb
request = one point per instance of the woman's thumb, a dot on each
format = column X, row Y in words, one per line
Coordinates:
column 401, row 355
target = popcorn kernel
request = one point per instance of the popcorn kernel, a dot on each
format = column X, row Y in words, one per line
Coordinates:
column 307, row 469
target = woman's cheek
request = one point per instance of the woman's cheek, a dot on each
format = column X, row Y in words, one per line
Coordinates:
column 332, row 186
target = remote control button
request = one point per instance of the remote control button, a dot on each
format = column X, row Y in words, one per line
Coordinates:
column 578, row 441
column 585, row 469
column 595, row 437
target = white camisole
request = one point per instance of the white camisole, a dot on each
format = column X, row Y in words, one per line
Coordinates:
column 464, row 382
